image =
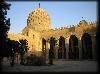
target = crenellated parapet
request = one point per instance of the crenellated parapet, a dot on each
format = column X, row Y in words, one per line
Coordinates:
column 39, row 27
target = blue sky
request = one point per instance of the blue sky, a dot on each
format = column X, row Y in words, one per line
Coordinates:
column 62, row 14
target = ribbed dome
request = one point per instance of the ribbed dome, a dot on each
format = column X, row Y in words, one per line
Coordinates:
column 39, row 20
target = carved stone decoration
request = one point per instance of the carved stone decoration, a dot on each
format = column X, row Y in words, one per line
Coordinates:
column 39, row 20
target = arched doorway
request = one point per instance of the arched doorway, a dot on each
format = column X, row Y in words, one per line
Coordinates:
column 73, row 47
column 52, row 48
column 44, row 48
column 62, row 49
column 86, row 46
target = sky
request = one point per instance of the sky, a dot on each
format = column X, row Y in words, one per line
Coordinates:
column 62, row 14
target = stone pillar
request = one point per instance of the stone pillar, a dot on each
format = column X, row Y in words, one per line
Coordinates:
column 80, row 48
column 47, row 50
column 67, row 50
column 93, row 46
column 56, row 52
column 67, row 47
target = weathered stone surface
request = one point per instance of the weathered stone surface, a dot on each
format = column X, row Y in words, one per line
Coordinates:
column 39, row 26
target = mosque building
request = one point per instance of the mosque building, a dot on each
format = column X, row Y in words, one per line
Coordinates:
column 78, row 41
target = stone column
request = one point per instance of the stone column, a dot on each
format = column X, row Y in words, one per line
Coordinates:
column 80, row 48
column 67, row 47
column 47, row 50
column 56, row 52
column 94, row 46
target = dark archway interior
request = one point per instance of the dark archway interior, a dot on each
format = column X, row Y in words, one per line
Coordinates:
column 86, row 46
column 52, row 48
column 44, row 47
column 62, row 49
column 73, row 47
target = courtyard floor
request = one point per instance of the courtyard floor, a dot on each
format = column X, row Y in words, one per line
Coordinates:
column 59, row 66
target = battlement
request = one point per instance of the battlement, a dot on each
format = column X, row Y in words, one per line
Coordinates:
column 83, row 22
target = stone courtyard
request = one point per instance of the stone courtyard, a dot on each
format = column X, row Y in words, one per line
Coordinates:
column 59, row 66
column 73, row 48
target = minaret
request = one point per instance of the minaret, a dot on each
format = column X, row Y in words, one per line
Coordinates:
column 39, row 5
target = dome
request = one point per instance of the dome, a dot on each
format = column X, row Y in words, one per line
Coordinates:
column 39, row 20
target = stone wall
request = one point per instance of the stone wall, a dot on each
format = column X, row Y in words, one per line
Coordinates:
column 34, row 37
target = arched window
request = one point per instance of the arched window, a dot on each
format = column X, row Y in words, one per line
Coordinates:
column 33, row 36
column 27, row 34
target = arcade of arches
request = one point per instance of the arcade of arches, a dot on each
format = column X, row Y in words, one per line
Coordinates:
column 74, row 42
column 73, row 53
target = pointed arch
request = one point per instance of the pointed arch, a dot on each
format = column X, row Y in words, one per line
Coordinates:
column 86, row 46
column 44, row 47
column 73, row 47
column 52, row 48
column 62, row 49
column 43, row 43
